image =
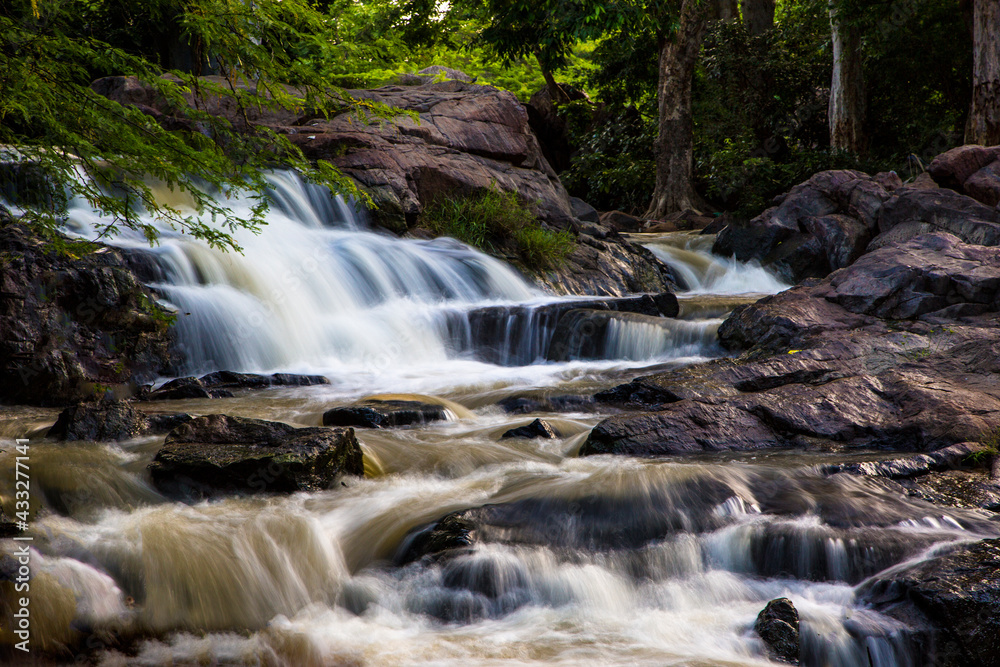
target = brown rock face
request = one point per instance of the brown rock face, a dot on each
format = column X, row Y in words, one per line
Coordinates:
column 463, row 139
column 825, row 369
column 218, row 454
column 73, row 328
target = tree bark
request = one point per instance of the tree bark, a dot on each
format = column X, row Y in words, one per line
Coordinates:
column 758, row 16
column 847, row 90
column 984, row 118
column 729, row 10
column 556, row 93
column 673, row 148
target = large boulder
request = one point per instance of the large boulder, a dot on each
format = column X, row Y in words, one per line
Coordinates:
column 74, row 327
column 923, row 209
column 971, row 170
column 897, row 351
column 820, row 226
column 954, row 598
column 462, row 139
column 113, row 420
column 219, row 454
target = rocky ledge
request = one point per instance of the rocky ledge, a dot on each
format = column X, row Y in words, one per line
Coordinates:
column 73, row 328
column 901, row 351
column 829, row 221
column 218, row 454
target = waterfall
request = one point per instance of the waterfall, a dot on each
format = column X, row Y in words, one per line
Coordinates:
column 319, row 291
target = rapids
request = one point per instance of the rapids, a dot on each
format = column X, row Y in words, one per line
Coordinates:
column 597, row 560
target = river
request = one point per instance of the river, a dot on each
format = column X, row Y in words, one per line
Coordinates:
column 597, row 560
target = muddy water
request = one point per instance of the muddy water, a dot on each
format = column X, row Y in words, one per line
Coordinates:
column 598, row 560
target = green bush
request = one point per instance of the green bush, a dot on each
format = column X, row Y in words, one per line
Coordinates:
column 501, row 224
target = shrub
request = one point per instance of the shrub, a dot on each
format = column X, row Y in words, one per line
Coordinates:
column 501, row 224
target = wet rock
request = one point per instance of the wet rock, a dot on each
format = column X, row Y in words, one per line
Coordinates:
column 536, row 429
column 954, row 456
column 465, row 139
column 520, row 335
column 522, row 405
column 377, row 413
column 453, row 532
column 584, row 333
column 778, row 625
column 897, row 351
column 105, row 421
column 165, row 423
column 221, row 384
column 73, row 328
column 179, row 389
column 219, row 454
column 953, row 598
column 609, row 266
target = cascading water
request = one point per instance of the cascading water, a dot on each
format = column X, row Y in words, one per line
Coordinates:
column 596, row 560
column 690, row 255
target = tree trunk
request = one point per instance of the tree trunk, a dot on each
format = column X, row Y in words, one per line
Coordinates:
column 758, row 16
column 847, row 90
column 556, row 93
column 984, row 118
column 673, row 148
column 729, row 10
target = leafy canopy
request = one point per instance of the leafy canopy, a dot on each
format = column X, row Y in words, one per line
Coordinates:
column 51, row 51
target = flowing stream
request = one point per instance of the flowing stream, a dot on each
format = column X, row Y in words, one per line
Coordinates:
column 595, row 560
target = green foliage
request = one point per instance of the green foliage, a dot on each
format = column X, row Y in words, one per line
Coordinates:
column 109, row 153
column 614, row 168
column 990, row 440
column 499, row 223
column 745, row 184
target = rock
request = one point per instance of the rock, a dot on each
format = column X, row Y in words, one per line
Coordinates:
column 585, row 333
column 74, row 328
column 549, row 125
column 609, row 266
column 221, row 384
column 106, row 421
column 621, row 222
column 584, row 211
column 165, row 423
column 953, row 168
column 179, row 389
column 824, row 369
column 522, row 405
column 465, row 140
column 436, row 71
column 819, row 226
column 954, row 598
column 454, row 532
column 109, row 421
column 379, row 413
column 218, row 454
column 536, row 429
column 984, row 185
column 943, row 210
column 778, row 625
column 520, row 335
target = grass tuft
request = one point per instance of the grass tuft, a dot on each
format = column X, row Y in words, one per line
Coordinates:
column 501, row 224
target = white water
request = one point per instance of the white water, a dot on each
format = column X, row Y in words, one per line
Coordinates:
column 690, row 255
column 593, row 561
column 316, row 292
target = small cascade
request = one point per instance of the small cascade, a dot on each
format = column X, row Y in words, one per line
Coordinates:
column 690, row 255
